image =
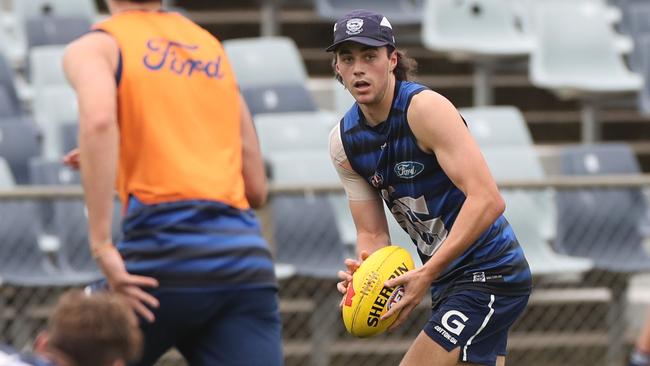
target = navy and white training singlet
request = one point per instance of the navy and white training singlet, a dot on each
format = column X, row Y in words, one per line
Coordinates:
column 425, row 202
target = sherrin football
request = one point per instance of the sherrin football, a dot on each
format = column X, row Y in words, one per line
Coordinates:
column 367, row 299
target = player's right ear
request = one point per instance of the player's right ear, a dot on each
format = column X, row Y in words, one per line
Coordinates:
column 41, row 342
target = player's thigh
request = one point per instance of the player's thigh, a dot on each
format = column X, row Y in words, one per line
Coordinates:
column 425, row 352
column 501, row 361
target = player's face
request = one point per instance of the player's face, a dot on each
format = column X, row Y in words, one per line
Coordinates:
column 365, row 70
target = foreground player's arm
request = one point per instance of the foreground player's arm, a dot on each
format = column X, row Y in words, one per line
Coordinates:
column 439, row 129
column 89, row 64
column 366, row 207
column 252, row 162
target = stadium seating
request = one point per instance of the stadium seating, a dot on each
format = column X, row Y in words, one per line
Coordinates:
column 69, row 131
column 294, row 131
column 497, row 126
column 531, row 213
column 576, row 56
column 477, row 30
column 9, row 103
column 67, row 222
column 278, row 99
column 46, row 66
column 24, row 260
column 615, row 244
column 253, row 68
column 54, row 106
column 605, row 225
column 343, row 100
column 54, row 30
column 34, row 8
column 19, row 142
column 480, row 28
column 398, row 11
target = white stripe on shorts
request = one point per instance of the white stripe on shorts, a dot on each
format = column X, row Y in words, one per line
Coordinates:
column 485, row 321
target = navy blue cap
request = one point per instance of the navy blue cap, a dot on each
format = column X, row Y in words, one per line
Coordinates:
column 365, row 27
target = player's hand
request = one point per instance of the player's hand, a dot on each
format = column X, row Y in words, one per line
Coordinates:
column 128, row 285
column 71, row 159
column 416, row 284
column 346, row 276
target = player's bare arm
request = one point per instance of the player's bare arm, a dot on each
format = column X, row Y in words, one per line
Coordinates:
column 439, row 129
column 252, row 162
column 89, row 65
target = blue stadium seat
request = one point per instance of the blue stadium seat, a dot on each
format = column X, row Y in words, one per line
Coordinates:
column 19, row 142
column 24, row 261
column 602, row 224
column 278, row 99
column 306, row 236
column 69, row 131
column 531, row 212
column 54, row 30
column 68, row 222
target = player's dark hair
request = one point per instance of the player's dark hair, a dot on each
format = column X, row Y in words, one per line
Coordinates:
column 404, row 70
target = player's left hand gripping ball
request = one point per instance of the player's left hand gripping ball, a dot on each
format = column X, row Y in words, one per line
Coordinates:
column 368, row 299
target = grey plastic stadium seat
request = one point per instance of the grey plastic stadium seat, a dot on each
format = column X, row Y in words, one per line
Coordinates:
column 46, row 66
column 480, row 27
column 576, row 50
column 480, row 30
column 577, row 56
column 19, row 142
column 253, row 67
column 497, row 126
column 531, row 213
column 603, row 224
column 54, row 30
column 397, row 11
column 294, row 131
column 53, row 106
column 278, row 99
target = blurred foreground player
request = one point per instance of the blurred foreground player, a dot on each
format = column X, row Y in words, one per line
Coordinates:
column 161, row 118
column 98, row 330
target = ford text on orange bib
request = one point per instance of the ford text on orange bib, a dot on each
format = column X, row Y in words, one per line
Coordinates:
column 178, row 110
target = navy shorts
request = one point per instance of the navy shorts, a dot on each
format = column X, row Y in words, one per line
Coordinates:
column 477, row 322
column 238, row 327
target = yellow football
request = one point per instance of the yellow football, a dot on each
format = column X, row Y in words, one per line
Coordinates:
column 367, row 299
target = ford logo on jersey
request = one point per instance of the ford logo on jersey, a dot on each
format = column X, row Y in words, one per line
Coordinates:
column 408, row 169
